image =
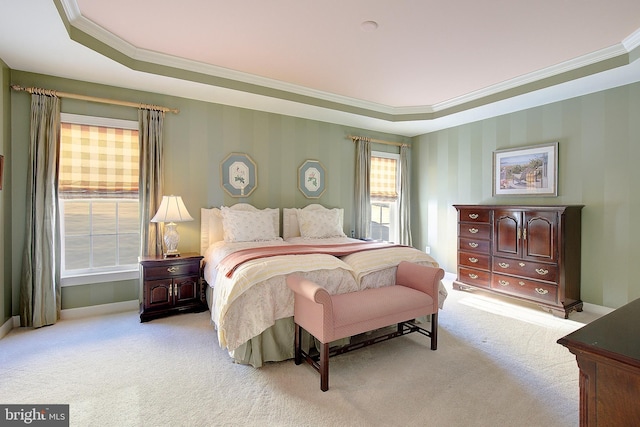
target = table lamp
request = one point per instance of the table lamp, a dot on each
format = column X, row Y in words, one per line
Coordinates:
column 171, row 210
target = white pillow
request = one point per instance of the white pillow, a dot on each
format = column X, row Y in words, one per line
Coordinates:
column 249, row 226
column 210, row 227
column 320, row 224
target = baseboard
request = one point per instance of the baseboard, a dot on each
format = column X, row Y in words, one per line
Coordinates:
column 450, row 276
column 597, row 309
column 99, row 310
column 77, row 313
column 9, row 325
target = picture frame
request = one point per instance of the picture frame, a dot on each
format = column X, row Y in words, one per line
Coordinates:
column 1, row 169
column 312, row 179
column 238, row 175
column 526, row 171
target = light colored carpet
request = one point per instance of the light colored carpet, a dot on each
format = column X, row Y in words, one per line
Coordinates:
column 497, row 364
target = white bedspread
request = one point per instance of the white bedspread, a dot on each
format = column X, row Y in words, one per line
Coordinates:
column 250, row 301
column 256, row 295
column 374, row 269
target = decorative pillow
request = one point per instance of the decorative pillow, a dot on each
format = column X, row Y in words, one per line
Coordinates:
column 249, row 226
column 320, row 224
column 290, row 227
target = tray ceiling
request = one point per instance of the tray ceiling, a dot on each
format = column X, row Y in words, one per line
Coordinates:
column 422, row 66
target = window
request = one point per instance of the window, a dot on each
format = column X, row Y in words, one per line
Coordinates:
column 98, row 198
column 383, row 192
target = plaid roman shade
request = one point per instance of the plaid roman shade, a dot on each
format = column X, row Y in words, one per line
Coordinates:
column 383, row 179
column 98, row 162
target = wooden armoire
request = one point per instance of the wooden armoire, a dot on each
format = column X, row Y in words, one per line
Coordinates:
column 522, row 251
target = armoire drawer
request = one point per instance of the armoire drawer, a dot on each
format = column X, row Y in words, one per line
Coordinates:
column 474, row 277
column 529, row 269
column 524, row 288
column 474, row 260
column 475, row 215
column 474, row 231
column 475, row 245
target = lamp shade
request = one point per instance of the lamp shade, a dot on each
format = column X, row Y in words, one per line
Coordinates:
column 172, row 209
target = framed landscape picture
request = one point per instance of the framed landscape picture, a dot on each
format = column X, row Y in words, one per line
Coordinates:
column 526, row 171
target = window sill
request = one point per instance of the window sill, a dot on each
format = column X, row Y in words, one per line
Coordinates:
column 88, row 279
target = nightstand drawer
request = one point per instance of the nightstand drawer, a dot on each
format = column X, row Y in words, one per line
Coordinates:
column 173, row 270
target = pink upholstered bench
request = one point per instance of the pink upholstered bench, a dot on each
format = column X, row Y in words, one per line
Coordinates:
column 332, row 317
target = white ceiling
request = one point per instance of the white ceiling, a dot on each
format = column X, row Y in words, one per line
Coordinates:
column 428, row 65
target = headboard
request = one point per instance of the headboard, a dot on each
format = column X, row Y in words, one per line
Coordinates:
column 211, row 229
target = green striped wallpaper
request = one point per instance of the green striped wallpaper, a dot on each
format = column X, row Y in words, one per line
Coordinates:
column 197, row 140
column 599, row 144
column 599, row 155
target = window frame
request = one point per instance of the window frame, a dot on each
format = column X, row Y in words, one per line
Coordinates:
column 84, row 277
column 394, row 211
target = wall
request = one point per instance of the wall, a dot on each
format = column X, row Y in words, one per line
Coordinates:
column 599, row 150
column 5, row 279
column 599, row 143
column 196, row 141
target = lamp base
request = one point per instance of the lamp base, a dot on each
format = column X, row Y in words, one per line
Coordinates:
column 172, row 255
column 171, row 239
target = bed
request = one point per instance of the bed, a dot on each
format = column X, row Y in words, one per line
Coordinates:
column 247, row 258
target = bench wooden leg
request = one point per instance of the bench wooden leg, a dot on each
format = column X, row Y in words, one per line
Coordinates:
column 297, row 344
column 434, row 331
column 324, row 367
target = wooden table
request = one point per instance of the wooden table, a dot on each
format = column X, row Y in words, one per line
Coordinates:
column 608, row 354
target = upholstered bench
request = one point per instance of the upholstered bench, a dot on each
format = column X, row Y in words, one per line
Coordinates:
column 333, row 317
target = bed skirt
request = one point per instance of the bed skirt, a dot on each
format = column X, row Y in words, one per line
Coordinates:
column 275, row 344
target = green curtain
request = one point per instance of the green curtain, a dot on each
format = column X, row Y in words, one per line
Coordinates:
column 362, row 189
column 40, row 284
column 403, row 200
column 151, row 124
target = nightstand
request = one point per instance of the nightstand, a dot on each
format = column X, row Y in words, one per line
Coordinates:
column 170, row 286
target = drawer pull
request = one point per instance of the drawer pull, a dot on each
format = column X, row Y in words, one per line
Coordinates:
column 473, row 230
column 473, row 216
column 172, row 269
column 503, row 282
column 473, row 260
column 473, row 244
column 473, row 276
column 542, row 291
column 503, row 264
column 542, row 271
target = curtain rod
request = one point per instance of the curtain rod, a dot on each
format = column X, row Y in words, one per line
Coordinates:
column 50, row 92
column 379, row 141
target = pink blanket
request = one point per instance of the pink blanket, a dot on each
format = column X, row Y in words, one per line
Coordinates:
column 231, row 262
